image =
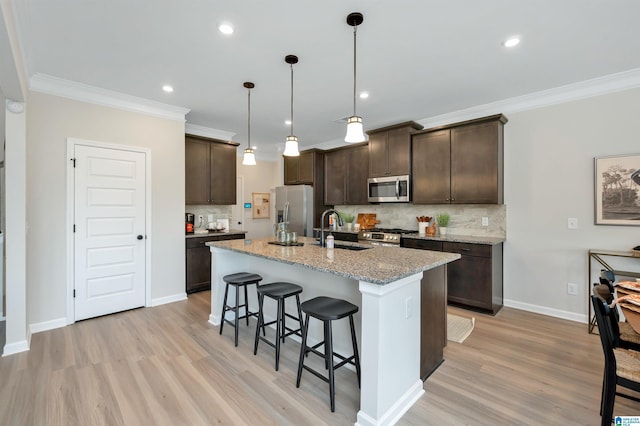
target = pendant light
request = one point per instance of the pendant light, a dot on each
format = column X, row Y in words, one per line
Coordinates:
column 249, row 158
column 354, row 123
column 291, row 144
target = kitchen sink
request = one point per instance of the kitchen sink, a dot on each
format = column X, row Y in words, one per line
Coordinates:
column 349, row 247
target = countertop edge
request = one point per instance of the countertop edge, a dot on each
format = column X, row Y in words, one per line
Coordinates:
column 213, row 234
column 457, row 239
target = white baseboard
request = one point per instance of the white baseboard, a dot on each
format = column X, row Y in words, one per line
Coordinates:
column 17, row 347
column 47, row 325
column 396, row 411
column 557, row 313
column 168, row 299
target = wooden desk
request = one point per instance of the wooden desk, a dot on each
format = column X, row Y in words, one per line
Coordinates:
column 599, row 256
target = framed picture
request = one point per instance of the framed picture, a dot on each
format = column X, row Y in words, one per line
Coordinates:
column 617, row 190
column 261, row 205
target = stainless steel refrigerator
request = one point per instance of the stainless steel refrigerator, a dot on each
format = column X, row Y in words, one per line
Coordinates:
column 294, row 204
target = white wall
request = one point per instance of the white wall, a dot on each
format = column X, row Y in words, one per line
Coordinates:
column 51, row 121
column 263, row 177
column 549, row 177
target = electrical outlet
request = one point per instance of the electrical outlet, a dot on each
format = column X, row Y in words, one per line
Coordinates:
column 408, row 304
column 572, row 223
column 485, row 221
column 200, row 219
column 572, row 289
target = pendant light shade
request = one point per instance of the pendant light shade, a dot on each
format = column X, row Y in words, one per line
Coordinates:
column 249, row 158
column 291, row 144
column 354, row 123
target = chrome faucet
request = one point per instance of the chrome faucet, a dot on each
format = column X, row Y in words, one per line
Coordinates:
column 324, row 213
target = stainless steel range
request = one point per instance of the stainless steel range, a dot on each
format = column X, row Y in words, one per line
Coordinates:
column 383, row 236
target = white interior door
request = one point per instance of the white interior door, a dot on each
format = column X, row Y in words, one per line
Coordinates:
column 109, row 238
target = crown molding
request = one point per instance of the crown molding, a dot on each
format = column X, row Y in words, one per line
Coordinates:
column 208, row 132
column 571, row 92
column 50, row 85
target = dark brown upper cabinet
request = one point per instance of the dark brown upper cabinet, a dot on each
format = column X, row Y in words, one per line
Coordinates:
column 390, row 149
column 300, row 170
column 210, row 171
column 345, row 173
column 459, row 164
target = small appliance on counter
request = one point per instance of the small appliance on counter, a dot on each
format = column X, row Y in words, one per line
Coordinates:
column 189, row 219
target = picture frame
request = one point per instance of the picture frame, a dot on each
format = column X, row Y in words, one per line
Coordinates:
column 261, row 205
column 617, row 190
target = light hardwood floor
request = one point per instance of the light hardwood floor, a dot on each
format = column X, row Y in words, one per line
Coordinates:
column 167, row 366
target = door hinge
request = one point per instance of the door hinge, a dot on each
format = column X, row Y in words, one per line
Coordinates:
column 74, row 227
column 74, row 162
column 74, row 293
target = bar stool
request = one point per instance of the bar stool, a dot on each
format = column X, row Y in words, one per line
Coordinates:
column 239, row 279
column 279, row 292
column 327, row 309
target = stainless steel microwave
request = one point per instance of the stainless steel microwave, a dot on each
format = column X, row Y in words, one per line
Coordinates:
column 389, row 189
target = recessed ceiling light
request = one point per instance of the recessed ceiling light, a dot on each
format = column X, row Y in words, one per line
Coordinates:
column 254, row 147
column 226, row 29
column 287, row 122
column 167, row 88
column 513, row 41
column 364, row 95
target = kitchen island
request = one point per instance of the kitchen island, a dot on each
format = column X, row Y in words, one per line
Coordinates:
column 385, row 282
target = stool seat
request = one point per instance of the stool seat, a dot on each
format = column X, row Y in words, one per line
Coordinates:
column 279, row 291
column 328, row 309
column 238, row 279
column 242, row 278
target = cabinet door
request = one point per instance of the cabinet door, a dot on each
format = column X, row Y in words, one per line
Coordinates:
column 399, row 151
column 196, row 153
column 378, row 154
column 198, row 265
column 431, row 168
column 305, row 168
column 469, row 281
column 475, row 164
column 223, row 174
column 357, row 174
column 334, row 177
column 291, row 170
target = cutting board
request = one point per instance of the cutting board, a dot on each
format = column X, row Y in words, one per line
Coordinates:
column 367, row 220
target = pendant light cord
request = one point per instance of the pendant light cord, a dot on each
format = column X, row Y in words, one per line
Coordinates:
column 355, row 28
column 291, row 99
column 249, row 120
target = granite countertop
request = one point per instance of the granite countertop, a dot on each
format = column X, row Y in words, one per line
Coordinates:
column 210, row 233
column 377, row 265
column 340, row 229
column 452, row 238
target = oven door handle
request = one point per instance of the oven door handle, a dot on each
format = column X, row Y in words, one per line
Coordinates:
column 397, row 188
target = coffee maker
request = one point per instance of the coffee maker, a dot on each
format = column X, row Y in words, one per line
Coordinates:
column 189, row 221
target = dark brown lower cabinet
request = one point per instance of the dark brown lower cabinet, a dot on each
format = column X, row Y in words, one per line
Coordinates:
column 433, row 319
column 198, row 259
column 475, row 280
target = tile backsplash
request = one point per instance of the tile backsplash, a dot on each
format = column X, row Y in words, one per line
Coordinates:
column 466, row 219
column 218, row 212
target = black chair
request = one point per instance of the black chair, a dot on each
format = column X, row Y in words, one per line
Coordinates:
column 628, row 339
column 279, row 292
column 239, row 279
column 328, row 309
column 621, row 366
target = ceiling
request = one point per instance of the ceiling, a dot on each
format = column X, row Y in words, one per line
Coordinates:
column 416, row 58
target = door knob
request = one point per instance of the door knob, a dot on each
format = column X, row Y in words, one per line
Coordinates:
column 139, row 237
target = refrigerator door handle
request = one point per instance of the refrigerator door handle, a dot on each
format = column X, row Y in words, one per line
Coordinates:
column 286, row 212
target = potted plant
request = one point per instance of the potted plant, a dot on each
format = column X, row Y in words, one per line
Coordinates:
column 443, row 222
column 348, row 218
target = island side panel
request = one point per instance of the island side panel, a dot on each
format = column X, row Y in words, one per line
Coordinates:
column 390, row 350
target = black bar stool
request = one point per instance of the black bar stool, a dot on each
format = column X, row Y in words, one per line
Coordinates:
column 279, row 292
column 239, row 279
column 328, row 309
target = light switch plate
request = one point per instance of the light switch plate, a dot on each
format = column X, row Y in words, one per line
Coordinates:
column 572, row 223
column 485, row 221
